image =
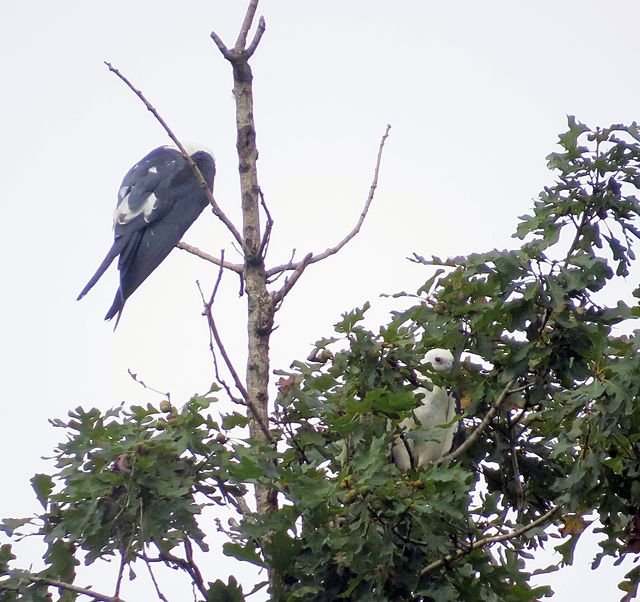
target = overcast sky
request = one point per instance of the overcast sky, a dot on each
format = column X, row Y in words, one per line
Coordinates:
column 476, row 93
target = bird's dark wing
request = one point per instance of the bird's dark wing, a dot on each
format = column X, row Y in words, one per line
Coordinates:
column 179, row 202
column 138, row 204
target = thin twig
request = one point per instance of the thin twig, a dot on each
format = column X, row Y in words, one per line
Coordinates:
column 289, row 282
column 280, row 274
column 436, row 564
column 363, row 214
column 153, row 577
column 493, row 410
column 234, row 267
column 186, row 565
column 201, row 181
column 143, row 384
column 125, row 553
column 212, row 348
column 264, row 245
column 123, row 562
column 74, row 588
column 225, row 356
column 213, row 329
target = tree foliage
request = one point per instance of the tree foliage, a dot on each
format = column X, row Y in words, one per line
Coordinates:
column 547, row 376
column 540, row 353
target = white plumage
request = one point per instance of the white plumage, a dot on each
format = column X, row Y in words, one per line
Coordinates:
column 436, row 408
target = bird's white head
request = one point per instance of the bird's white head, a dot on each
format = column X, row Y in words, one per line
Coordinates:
column 440, row 360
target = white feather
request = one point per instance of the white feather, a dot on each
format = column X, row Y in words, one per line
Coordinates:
column 437, row 408
column 124, row 214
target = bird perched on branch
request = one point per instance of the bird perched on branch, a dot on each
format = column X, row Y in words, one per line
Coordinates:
column 159, row 198
column 425, row 433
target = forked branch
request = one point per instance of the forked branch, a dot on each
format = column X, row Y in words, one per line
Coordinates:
column 306, row 261
column 241, row 50
column 470, row 440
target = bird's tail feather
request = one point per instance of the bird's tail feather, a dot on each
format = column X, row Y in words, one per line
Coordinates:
column 116, row 308
column 114, row 251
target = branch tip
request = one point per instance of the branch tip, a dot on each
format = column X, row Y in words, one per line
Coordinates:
column 356, row 229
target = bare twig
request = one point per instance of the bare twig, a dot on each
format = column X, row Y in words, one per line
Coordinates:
column 264, row 245
column 226, row 53
column 124, row 554
column 213, row 329
column 161, row 596
column 256, row 38
column 75, row 589
column 280, row 274
column 123, row 562
column 201, row 181
column 141, row 382
column 333, row 250
column 188, row 565
column 469, row 441
column 212, row 348
column 234, row 267
column 279, row 295
column 225, row 357
column 436, row 564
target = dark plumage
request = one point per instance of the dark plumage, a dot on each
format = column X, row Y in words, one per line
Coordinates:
column 158, row 200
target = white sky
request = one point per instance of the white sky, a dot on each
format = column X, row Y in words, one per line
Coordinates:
column 476, row 93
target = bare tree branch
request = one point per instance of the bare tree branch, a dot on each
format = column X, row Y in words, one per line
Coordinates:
column 333, row 250
column 203, row 184
column 234, row 267
column 493, row 410
column 246, row 25
column 208, row 313
column 188, row 565
column 161, row 596
column 264, row 245
column 262, row 26
column 279, row 295
column 213, row 329
column 135, row 377
column 436, row 564
column 123, row 563
column 281, row 273
column 241, row 52
column 75, row 589
column 226, row 53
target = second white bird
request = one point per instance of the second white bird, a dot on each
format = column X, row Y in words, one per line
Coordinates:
column 437, row 409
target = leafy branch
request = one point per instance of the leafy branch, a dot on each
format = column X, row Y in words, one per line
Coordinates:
column 460, row 553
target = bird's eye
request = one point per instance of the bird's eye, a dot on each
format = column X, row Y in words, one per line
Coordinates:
column 438, row 360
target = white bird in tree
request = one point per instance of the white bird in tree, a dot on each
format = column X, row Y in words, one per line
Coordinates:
column 429, row 420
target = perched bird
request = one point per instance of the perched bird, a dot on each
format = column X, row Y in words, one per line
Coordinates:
column 436, row 409
column 159, row 198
